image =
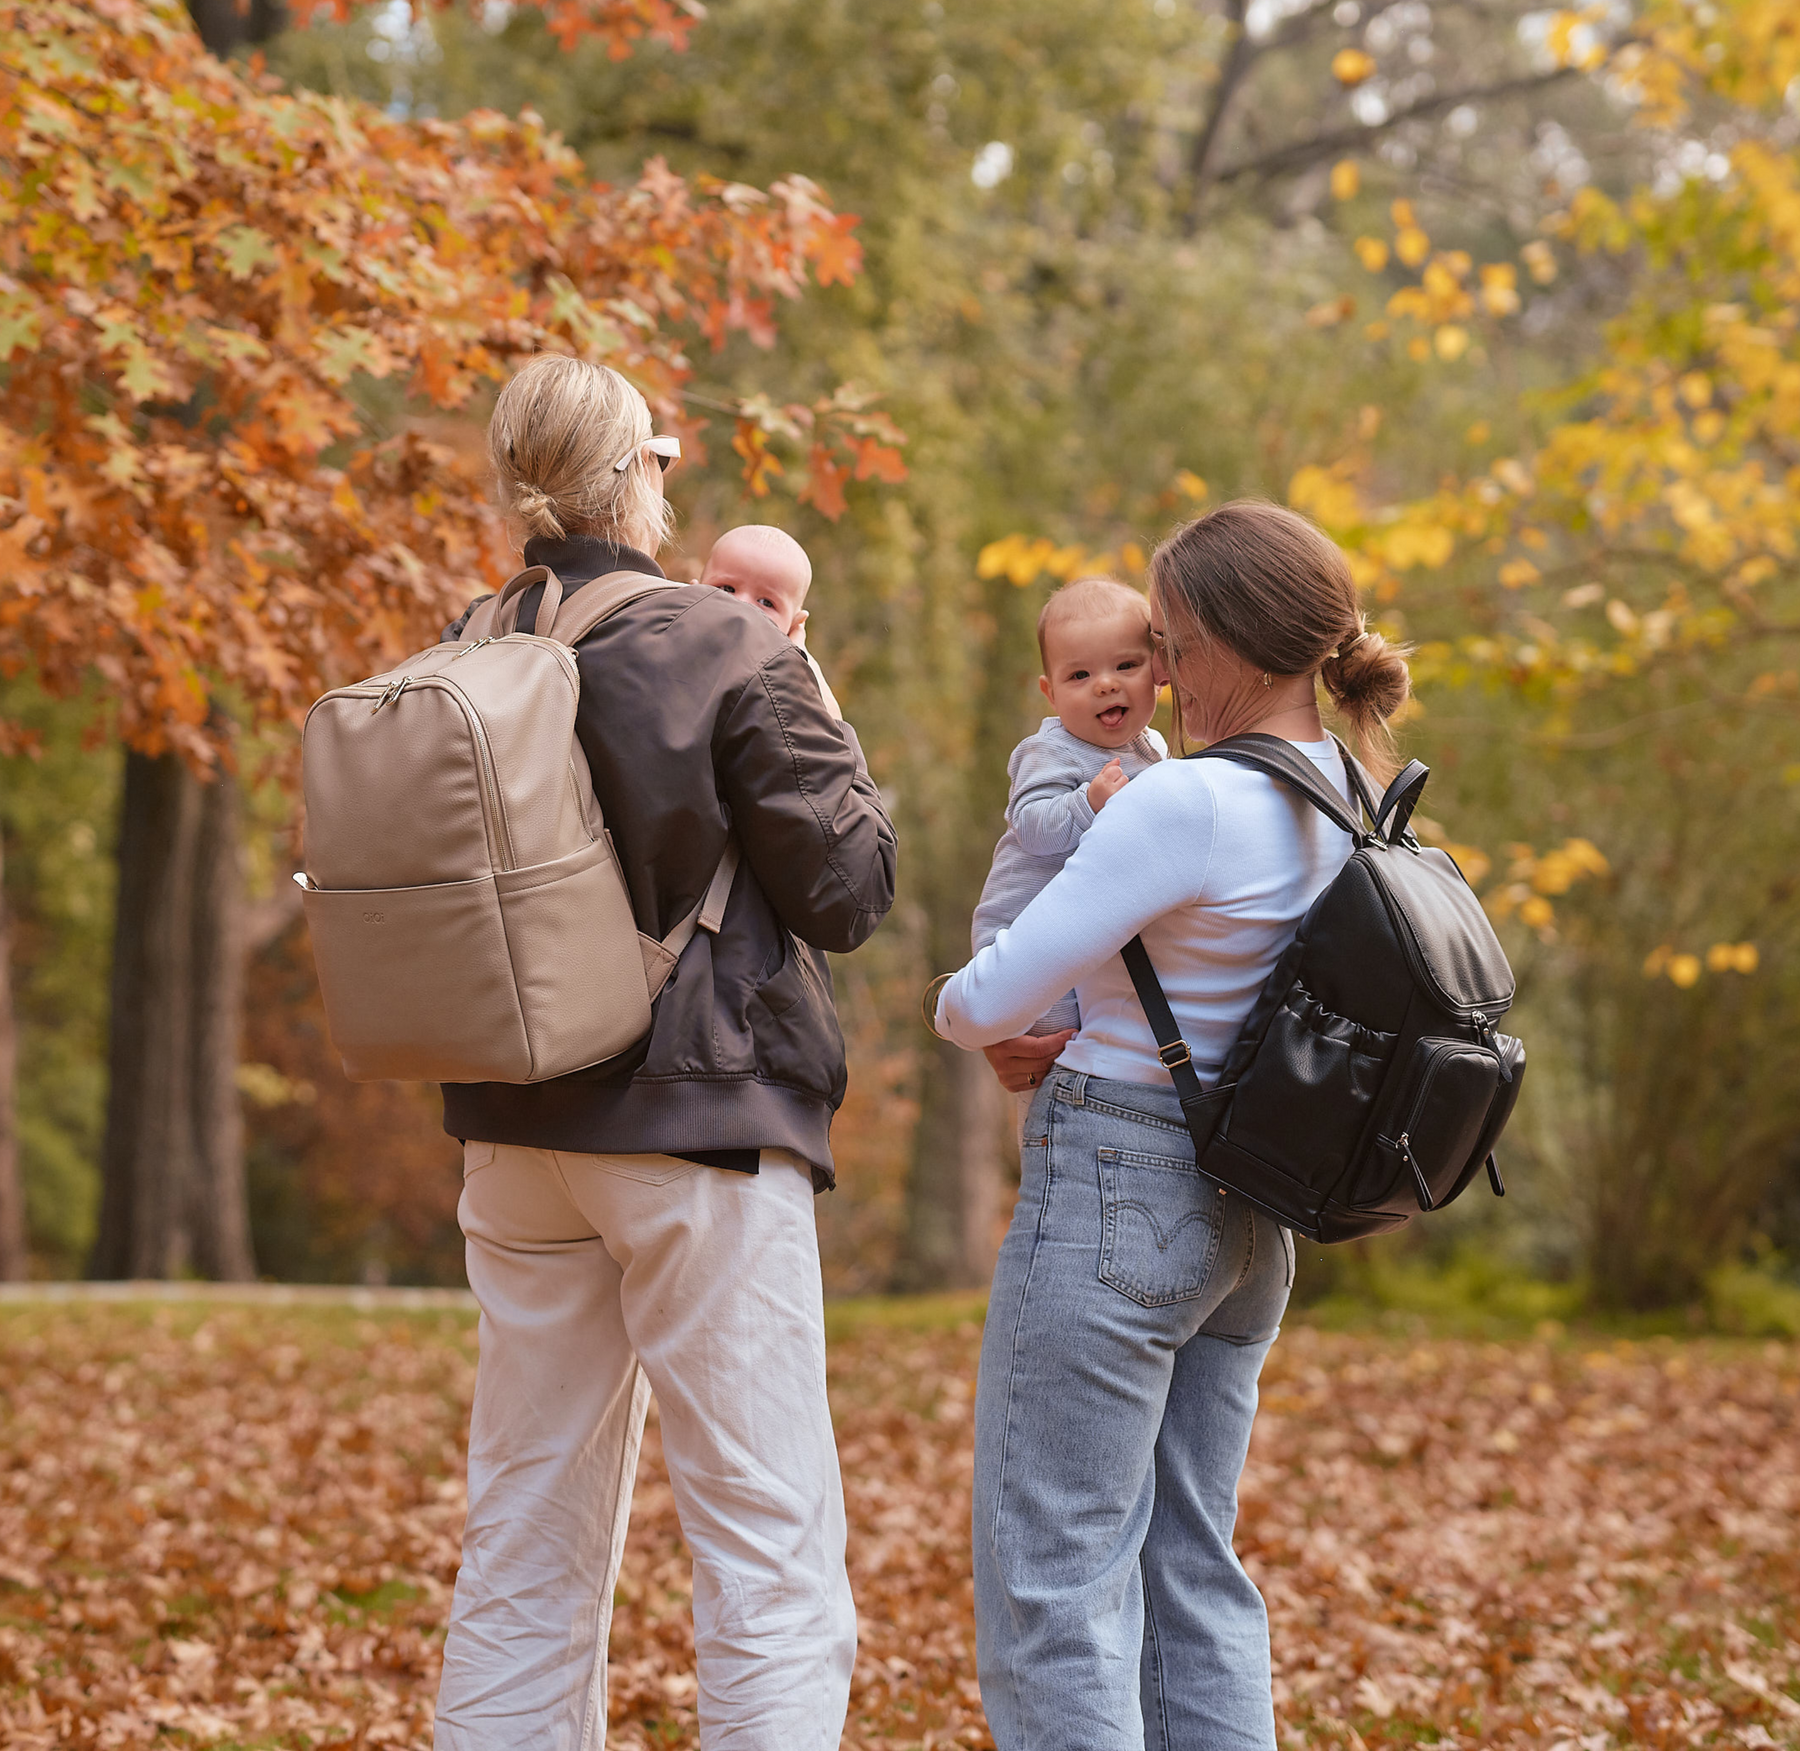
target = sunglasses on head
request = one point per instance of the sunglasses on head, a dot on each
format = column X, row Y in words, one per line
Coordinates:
column 665, row 450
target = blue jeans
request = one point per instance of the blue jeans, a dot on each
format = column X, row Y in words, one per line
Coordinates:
column 1133, row 1304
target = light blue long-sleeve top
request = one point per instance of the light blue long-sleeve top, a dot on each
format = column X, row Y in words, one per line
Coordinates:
column 1213, row 864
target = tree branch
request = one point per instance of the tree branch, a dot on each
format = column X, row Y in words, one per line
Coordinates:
column 1305, row 152
column 1232, row 70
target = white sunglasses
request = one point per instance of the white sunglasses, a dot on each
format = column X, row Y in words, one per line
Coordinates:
column 665, row 450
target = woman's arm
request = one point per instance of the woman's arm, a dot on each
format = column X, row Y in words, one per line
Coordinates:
column 1146, row 854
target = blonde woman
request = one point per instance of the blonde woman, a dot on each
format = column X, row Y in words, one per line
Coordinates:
column 1135, row 1298
column 647, row 1225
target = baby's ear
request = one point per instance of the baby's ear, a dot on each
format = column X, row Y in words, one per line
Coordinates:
column 1044, row 685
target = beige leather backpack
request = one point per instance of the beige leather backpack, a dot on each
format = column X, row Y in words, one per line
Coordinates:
column 468, row 914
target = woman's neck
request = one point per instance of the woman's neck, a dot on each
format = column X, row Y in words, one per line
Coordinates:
column 1299, row 722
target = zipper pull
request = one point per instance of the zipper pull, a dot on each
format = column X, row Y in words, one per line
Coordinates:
column 1494, row 1179
column 1484, row 1033
column 1418, row 1173
column 468, row 648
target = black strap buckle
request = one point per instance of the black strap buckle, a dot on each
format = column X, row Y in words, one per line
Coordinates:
column 1173, row 1057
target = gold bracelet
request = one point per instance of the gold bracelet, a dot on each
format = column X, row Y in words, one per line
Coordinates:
column 928, row 1006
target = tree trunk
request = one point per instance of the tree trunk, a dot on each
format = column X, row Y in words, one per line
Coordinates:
column 172, row 1196
column 958, row 1186
column 224, row 25
column 218, row 1212
column 14, row 1259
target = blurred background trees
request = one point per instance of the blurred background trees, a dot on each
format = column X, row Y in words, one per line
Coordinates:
column 1121, row 261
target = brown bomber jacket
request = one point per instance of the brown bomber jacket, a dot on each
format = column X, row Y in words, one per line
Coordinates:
column 697, row 716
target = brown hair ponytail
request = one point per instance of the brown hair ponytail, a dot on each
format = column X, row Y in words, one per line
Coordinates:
column 1277, row 591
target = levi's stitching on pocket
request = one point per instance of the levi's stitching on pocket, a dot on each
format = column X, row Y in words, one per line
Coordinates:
column 1159, row 1226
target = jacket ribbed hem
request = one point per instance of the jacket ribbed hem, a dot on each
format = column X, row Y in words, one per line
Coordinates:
column 646, row 1118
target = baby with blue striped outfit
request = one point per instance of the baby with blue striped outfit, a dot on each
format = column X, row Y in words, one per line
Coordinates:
column 1094, row 639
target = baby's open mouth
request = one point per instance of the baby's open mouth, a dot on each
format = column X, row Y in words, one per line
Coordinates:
column 1112, row 716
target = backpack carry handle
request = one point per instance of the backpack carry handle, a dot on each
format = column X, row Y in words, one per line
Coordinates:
column 1400, row 799
column 506, row 609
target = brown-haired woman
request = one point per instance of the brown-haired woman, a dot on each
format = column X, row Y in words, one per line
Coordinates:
column 1134, row 1299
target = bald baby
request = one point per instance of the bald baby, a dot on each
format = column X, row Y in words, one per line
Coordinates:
column 765, row 567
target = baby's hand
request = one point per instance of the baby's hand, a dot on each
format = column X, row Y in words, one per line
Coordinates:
column 1110, row 781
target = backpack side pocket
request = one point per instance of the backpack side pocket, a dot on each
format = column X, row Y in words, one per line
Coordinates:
column 1305, row 1100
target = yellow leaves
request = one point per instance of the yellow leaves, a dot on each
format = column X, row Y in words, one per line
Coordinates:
column 1372, row 252
column 1330, row 312
column 1499, row 288
column 1022, row 561
column 1346, row 179
column 1352, row 66
column 1451, row 342
column 1540, row 261
column 1695, row 388
column 1682, row 968
column 1416, row 542
column 1533, row 878
column 1517, row 573
column 1325, row 494
column 1191, row 485
column 1411, row 245
column 1732, row 957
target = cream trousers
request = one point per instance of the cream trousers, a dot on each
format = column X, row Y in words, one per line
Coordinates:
column 602, row 1279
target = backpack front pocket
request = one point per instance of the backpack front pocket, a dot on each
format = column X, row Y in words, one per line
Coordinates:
column 1441, row 1118
column 1307, row 1097
column 1159, row 1231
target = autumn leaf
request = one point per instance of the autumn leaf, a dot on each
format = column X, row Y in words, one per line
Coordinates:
column 244, row 250
column 824, row 489
column 1352, row 66
column 836, row 255
column 878, row 461
column 751, row 442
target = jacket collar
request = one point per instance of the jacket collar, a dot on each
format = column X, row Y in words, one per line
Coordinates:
column 579, row 559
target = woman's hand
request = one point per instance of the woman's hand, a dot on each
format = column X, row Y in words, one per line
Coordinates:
column 1023, row 1062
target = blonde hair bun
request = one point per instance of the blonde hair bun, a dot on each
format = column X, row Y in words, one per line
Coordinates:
column 559, row 430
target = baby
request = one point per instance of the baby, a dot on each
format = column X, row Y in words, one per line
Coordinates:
column 767, row 569
column 1094, row 638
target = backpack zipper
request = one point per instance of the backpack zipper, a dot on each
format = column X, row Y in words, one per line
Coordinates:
column 493, row 804
column 1484, row 1034
column 490, row 780
column 1406, row 1155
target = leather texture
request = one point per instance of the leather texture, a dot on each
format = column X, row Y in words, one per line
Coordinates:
column 1368, row 1082
column 468, row 913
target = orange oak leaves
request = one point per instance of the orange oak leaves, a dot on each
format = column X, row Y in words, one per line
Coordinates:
column 238, row 324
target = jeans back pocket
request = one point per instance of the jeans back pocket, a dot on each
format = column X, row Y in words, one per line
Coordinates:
column 1159, row 1228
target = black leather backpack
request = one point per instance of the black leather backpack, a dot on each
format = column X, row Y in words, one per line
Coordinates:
column 1368, row 1083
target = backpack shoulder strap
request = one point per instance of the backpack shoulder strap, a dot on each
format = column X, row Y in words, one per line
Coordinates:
column 1276, row 757
column 585, row 607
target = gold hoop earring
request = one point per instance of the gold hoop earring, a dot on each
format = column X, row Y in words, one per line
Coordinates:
column 1268, row 679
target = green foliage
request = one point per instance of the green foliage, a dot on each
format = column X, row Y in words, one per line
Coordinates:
column 57, row 812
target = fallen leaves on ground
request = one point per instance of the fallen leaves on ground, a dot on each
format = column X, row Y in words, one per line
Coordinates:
column 238, row 1526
